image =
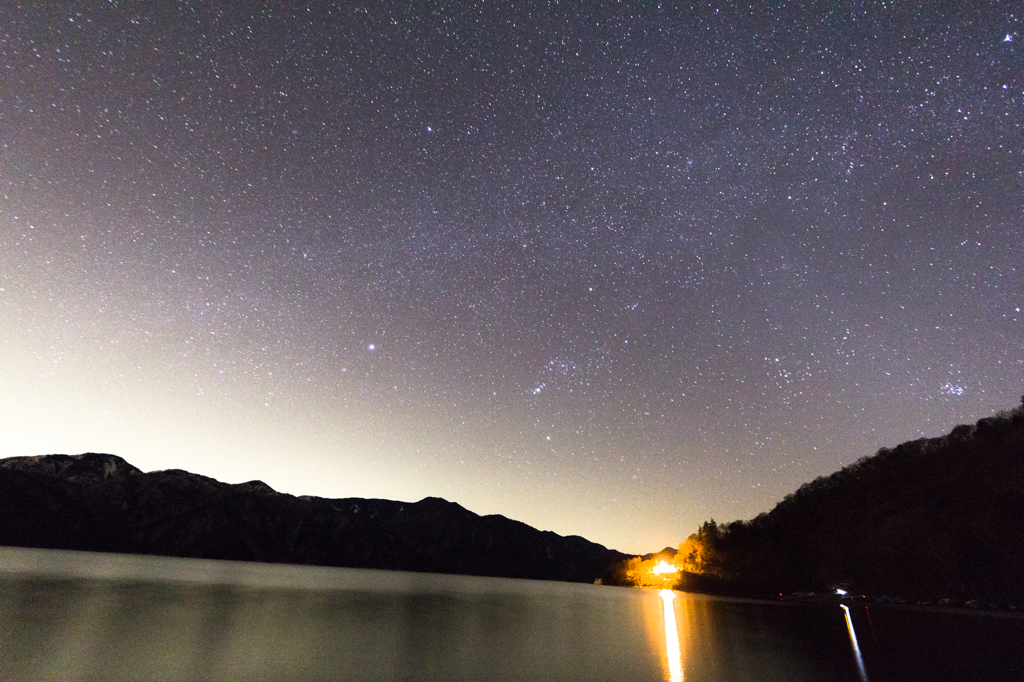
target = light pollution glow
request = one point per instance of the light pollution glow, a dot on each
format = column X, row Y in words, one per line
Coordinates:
column 610, row 270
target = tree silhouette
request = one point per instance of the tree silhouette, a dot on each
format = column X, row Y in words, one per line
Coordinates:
column 929, row 518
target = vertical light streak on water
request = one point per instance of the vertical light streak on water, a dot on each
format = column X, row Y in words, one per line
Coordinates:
column 673, row 656
column 853, row 641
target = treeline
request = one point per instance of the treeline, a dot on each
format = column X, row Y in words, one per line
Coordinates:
column 931, row 518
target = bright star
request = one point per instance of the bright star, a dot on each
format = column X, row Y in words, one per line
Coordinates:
column 1008, row 38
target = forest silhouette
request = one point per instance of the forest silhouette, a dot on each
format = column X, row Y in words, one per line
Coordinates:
column 929, row 519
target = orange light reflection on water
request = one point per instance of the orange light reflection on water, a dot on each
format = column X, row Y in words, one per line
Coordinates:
column 673, row 654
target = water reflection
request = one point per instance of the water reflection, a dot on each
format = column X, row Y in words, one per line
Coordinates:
column 673, row 655
column 71, row 615
column 853, row 641
column 79, row 616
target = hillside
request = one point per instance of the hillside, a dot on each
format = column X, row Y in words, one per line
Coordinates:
column 102, row 503
column 930, row 518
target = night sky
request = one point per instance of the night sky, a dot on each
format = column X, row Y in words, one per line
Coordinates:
column 610, row 269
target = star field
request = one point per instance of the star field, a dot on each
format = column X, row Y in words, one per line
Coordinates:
column 611, row 269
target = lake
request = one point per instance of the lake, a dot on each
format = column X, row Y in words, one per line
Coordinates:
column 84, row 616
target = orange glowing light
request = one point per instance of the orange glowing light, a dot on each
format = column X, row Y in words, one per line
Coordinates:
column 663, row 568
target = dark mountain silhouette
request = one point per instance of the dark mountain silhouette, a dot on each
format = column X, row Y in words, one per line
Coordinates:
column 100, row 502
column 931, row 518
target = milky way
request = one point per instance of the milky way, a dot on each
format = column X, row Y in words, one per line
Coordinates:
column 611, row 269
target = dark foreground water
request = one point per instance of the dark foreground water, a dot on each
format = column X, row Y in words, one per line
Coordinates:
column 80, row 616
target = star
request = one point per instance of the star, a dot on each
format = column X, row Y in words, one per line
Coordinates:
column 778, row 259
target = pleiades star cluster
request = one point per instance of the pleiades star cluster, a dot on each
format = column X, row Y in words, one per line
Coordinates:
column 608, row 268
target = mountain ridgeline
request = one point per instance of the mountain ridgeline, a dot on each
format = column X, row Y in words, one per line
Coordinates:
column 928, row 519
column 100, row 502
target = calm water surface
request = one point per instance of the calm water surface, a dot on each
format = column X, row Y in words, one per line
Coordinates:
column 72, row 615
